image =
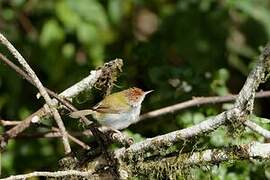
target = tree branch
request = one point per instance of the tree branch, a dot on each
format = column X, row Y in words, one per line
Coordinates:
column 196, row 101
column 41, row 89
column 9, row 123
column 17, row 69
column 258, row 129
column 108, row 72
column 254, row 77
column 51, row 174
column 54, row 133
column 115, row 135
column 177, row 162
column 242, row 108
column 160, row 143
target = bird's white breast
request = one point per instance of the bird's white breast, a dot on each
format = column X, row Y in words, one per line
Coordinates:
column 122, row 120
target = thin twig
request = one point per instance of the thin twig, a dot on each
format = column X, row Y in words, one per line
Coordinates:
column 50, row 174
column 13, row 132
column 9, row 123
column 24, row 75
column 65, row 102
column 52, row 134
column 72, row 138
column 196, row 101
column 41, row 89
column 115, row 135
column 258, row 129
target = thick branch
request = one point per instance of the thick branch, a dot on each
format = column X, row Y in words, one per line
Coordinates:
column 85, row 84
column 243, row 107
column 173, row 164
column 257, row 76
column 159, row 143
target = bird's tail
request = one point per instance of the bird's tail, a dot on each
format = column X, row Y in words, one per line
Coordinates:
column 78, row 114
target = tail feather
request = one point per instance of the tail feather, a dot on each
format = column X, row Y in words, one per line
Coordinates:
column 78, row 114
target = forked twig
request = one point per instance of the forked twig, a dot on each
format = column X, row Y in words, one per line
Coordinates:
column 41, row 89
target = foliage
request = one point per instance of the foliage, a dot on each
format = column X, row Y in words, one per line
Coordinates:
column 180, row 49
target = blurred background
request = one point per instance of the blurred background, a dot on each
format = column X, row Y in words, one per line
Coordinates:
column 181, row 49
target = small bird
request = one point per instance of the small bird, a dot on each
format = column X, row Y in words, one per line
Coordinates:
column 117, row 110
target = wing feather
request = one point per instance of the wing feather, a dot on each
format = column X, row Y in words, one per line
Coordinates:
column 112, row 104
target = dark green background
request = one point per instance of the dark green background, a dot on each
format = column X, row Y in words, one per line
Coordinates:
column 196, row 48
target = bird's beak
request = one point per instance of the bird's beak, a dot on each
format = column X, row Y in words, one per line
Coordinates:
column 147, row 92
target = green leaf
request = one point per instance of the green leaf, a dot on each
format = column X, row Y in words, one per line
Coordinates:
column 67, row 16
column 198, row 117
column 184, row 119
column 90, row 11
column 24, row 112
column 115, row 10
column 96, row 53
column 68, row 50
column 135, row 136
column 7, row 14
column 219, row 138
column 87, row 34
column 219, row 83
column 256, row 9
column 51, row 33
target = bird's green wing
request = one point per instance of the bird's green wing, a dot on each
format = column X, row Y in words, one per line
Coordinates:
column 113, row 104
